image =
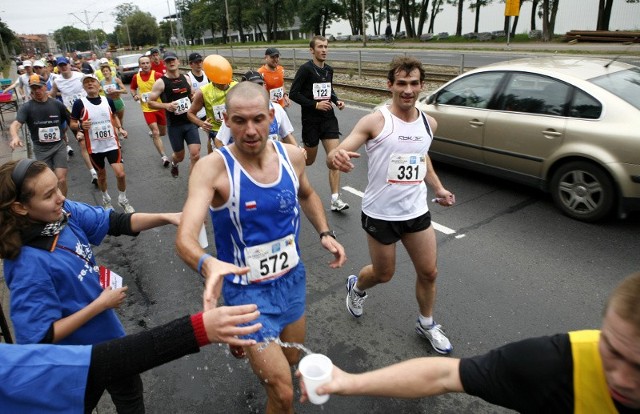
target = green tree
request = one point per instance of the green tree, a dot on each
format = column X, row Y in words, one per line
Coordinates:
column 9, row 43
column 317, row 15
column 143, row 28
column 71, row 38
column 549, row 13
column 123, row 11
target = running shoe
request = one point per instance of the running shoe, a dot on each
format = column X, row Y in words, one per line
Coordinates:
column 354, row 301
column 126, row 206
column 106, row 204
column 165, row 161
column 94, row 178
column 338, row 205
column 435, row 336
column 69, row 151
column 174, row 170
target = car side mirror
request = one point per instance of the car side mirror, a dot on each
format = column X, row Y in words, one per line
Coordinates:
column 431, row 100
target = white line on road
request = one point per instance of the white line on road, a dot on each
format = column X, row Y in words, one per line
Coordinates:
column 436, row 226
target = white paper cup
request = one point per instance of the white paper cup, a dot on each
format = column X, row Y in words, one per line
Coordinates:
column 202, row 237
column 316, row 370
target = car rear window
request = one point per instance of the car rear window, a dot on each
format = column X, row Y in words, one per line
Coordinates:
column 625, row 84
column 128, row 60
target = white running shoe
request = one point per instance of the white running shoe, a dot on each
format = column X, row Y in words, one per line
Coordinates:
column 165, row 161
column 106, row 204
column 94, row 178
column 435, row 336
column 338, row 205
column 354, row 301
column 126, row 206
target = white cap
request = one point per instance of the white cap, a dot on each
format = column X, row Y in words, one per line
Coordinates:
column 26, row 63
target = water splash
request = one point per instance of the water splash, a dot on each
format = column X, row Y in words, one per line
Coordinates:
column 278, row 341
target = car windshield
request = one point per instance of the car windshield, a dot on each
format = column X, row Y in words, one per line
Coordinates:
column 624, row 84
column 128, row 60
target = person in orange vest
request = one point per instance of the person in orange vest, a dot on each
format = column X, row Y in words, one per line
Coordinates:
column 273, row 74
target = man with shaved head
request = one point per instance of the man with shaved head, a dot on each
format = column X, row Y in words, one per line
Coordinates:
column 255, row 189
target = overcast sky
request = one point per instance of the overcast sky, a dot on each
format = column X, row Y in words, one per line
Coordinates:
column 46, row 16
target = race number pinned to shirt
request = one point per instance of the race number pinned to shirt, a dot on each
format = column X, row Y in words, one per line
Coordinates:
column 70, row 100
column 276, row 94
column 110, row 88
column 51, row 134
column 183, row 105
column 271, row 260
column 408, row 169
column 102, row 131
column 321, row 91
column 109, row 278
column 218, row 112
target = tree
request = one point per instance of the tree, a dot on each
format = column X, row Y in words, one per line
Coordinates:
column 317, row 15
column 9, row 42
column 123, row 11
column 549, row 12
column 460, row 4
column 143, row 29
column 422, row 16
column 71, row 38
column 604, row 13
column 477, row 6
column 436, row 7
column 534, row 8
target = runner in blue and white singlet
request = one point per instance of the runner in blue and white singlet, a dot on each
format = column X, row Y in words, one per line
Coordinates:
column 238, row 227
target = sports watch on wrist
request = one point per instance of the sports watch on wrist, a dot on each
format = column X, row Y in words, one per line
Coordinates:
column 330, row 233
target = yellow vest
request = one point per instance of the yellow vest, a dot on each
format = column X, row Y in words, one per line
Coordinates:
column 590, row 390
column 145, row 87
column 213, row 96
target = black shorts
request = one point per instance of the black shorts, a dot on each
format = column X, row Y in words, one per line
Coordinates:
column 389, row 232
column 113, row 156
column 179, row 134
column 313, row 130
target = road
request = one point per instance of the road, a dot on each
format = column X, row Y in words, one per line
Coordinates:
column 511, row 266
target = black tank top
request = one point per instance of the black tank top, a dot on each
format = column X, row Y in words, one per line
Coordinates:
column 174, row 89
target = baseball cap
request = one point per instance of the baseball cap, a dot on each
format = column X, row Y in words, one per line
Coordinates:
column 153, row 50
column 37, row 80
column 20, row 67
column 271, row 51
column 38, row 64
column 90, row 76
column 104, row 61
column 169, row 56
column 61, row 60
column 195, row 56
column 26, row 63
column 253, row 76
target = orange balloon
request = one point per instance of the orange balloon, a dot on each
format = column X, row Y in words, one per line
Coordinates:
column 218, row 69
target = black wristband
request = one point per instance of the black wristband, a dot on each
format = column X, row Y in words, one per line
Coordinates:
column 330, row 233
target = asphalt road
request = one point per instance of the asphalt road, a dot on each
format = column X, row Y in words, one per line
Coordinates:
column 511, row 266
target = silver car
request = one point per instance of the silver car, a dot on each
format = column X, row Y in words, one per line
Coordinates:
column 570, row 126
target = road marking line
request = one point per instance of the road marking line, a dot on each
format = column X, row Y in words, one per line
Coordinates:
column 436, row 226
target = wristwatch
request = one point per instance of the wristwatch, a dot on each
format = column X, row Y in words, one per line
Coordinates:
column 330, row 233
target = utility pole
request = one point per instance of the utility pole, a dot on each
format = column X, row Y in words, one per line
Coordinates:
column 87, row 22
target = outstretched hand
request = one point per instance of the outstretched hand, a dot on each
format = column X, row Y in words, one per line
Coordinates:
column 221, row 324
column 213, row 271
column 342, row 160
column 337, row 385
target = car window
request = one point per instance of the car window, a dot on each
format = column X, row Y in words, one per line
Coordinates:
column 471, row 91
column 585, row 106
column 525, row 92
column 624, row 84
column 128, row 60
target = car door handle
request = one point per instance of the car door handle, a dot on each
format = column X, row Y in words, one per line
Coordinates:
column 549, row 133
column 476, row 123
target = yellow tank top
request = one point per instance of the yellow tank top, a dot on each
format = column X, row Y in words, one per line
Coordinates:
column 214, row 100
column 145, row 88
column 590, row 390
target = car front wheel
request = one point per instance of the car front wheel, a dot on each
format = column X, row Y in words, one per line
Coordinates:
column 583, row 191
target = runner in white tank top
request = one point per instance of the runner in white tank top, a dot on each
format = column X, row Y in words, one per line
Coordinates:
column 394, row 207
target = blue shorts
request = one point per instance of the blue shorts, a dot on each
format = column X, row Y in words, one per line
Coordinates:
column 280, row 302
